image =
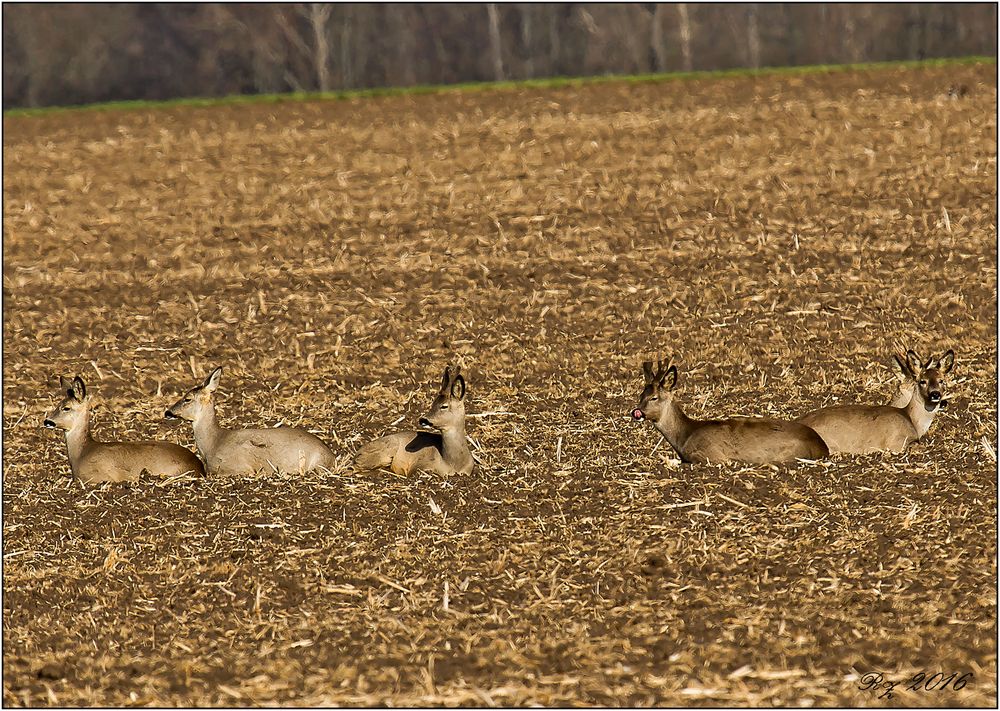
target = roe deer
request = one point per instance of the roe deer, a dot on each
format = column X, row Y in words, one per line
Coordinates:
column 94, row 462
column 442, row 452
column 740, row 439
column 246, row 452
column 859, row 429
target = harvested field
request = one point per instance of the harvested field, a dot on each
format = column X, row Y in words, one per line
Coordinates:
column 780, row 236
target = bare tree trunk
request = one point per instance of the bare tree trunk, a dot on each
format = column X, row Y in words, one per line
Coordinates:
column 580, row 50
column 346, row 70
column 913, row 16
column 319, row 15
column 361, row 17
column 852, row 41
column 824, row 22
column 554, row 47
column 495, row 46
column 685, row 28
column 529, row 52
column 753, row 36
column 791, row 38
column 404, row 71
column 31, row 35
column 656, row 40
column 290, row 75
column 438, row 61
column 960, row 30
column 267, row 62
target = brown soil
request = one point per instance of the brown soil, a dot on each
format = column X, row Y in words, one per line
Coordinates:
column 780, row 236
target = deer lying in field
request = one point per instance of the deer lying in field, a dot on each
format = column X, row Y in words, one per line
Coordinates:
column 95, row 462
column 741, row 439
column 859, row 429
column 443, row 452
column 246, row 452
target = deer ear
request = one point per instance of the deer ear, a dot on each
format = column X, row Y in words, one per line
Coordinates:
column 647, row 371
column 669, row 379
column 947, row 361
column 79, row 389
column 914, row 361
column 212, row 381
column 66, row 384
column 458, row 388
column 446, row 378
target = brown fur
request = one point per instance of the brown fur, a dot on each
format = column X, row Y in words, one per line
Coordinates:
column 443, row 452
column 247, row 452
column 94, row 462
column 860, row 429
column 754, row 440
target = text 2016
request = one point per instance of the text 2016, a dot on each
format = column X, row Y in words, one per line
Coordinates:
column 876, row 682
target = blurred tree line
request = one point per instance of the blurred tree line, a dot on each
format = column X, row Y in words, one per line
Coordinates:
column 74, row 53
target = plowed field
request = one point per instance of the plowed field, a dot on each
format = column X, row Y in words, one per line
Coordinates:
column 779, row 236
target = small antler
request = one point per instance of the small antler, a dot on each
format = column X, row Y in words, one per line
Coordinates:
column 655, row 376
column 662, row 366
column 905, row 365
column 651, row 374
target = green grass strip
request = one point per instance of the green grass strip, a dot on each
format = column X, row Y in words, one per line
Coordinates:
column 546, row 83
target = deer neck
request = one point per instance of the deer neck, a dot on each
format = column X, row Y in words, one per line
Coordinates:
column 206, row 430
column 78, row 440
column 919, row 415
column 455, row 447
column 904, row 395
column 675, row 426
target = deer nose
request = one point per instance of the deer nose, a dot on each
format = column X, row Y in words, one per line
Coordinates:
column 169, row 415
column 49, row 423
column 934, row 395
column 424, row 422
column 637, row 414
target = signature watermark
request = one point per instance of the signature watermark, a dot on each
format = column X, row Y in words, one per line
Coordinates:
column 883, row 688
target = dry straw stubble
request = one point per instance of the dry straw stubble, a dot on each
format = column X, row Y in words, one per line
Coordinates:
column 778, row 235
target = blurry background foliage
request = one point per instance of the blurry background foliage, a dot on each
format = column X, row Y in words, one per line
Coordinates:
column 59, row 54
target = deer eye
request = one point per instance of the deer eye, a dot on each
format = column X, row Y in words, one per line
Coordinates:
column 654, row 397
column 923, row 382
column 67, row 408
column 444, row 406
